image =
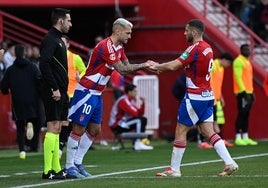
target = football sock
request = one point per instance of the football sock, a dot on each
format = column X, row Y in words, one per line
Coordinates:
column 72, row 146
column 221, row 149
column 49, row 146
column 238, row 136
column 84, row 145
column 55, row 160
column 244, row 135
column 177, row 154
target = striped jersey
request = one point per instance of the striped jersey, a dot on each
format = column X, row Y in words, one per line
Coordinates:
column 100, row 68
column 197, row 60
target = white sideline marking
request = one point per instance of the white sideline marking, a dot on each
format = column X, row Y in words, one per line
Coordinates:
column 209, row 176
column 146, row 169
column 35, row 172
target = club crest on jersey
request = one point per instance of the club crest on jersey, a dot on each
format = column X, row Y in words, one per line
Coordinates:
column 119, row 55
column 112, row 56
column 82, row 117
column 184, row 55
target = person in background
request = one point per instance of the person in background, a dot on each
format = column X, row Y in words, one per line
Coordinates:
column 9, row 55
column 76, row 68
column 54, row 67
column 86, row 106
column 216, row 81
column 29, row 52
column 5, row 44
column 35, row 55
column 2, row 65
column 196, row 108
column 244, row 92
column 23, row 79
column 179, row 87
column 2, row 51
column 126, row 116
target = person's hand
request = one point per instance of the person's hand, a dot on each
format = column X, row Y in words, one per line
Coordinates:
column 77, row 77
column 152, row 66
column 56, row 95
column 142, row 99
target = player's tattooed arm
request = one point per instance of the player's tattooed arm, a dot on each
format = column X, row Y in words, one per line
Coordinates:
column 126, row 62
column 125, row 67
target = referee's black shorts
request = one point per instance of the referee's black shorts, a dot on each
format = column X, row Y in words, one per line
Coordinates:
column 55, row 110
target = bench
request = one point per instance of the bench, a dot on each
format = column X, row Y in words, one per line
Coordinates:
column 118, row 139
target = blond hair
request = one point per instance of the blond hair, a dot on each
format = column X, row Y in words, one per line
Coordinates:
column 122, row 22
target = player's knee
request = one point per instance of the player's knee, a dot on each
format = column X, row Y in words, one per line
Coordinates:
column 78, row 129
column 94, row 130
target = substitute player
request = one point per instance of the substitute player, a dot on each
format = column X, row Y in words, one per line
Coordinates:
column 86, row 106
column 197, row 106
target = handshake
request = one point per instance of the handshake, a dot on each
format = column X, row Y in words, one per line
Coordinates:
column 151, row 66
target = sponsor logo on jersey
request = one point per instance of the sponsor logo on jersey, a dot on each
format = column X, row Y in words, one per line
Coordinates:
column 184, row 55
column 207, row 93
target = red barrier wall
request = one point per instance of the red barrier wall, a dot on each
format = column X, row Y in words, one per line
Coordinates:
column 7, row 126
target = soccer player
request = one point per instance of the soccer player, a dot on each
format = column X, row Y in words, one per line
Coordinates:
column 217, row 74
column 86, row 106
column 196, row 108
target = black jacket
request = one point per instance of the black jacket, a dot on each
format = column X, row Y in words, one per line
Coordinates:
column 53, row 61
column 22, row 79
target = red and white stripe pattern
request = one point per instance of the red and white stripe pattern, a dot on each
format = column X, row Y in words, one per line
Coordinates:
column 90, row 136
column 197, row 60
column 179, row 143
column 214, row 139
column 100, row 66
column 75, row 136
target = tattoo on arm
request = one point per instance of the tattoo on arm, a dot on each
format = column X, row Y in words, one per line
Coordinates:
column 124, row 68
column 126, row 62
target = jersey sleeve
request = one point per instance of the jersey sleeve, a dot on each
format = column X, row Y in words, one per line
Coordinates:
column 187, row 56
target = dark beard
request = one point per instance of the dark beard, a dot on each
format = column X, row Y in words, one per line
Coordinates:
column 190, row 38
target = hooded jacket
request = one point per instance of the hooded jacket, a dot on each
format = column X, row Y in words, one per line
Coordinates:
column 22, row 80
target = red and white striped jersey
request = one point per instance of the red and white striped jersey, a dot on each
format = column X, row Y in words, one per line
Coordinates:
column 197, row 60
column 100, row 68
